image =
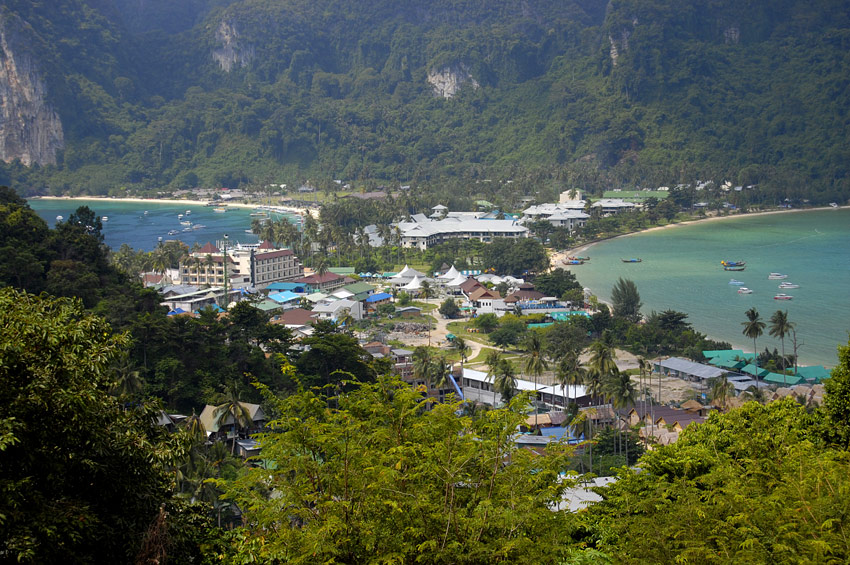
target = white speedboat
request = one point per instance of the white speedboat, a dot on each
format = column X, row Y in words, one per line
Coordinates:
column 59, row 218
column 188, row 212
column 185, row 223
column 179, row 216
column 788, row 285
column 736, row 282
column 744, row 290
column 781, row 296
column 219, row 210
column 776, row 277
column 104, row 219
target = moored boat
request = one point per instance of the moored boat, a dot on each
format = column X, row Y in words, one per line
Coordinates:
column 788, row 285
column 59, row 218
column 736, row 282
column 579, row 258
column 781, row 296
column 574, row 262
column 173, row 232
column 776, row 277
column 631, row 260
column 104, row 219
column 219, row 210
column 734, row 268
column 733, row 263
column 744, row 290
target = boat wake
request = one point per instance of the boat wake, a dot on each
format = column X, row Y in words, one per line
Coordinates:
column 792, row 241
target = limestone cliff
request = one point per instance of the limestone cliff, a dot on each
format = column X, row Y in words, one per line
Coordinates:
column 448, row 81
column 30, row 128
column 232, row 52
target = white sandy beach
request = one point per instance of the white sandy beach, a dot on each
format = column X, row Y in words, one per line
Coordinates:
column 559, row 257
column 280, row 207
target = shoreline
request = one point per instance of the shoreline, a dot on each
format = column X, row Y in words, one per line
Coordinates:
column 560, row 256
column 187, row 202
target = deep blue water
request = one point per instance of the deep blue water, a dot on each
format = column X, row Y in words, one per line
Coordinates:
column 129, row 224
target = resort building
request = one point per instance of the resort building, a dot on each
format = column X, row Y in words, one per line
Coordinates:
column 559, row 215
column 267, row 264
column 423, row 232
column 205, row 267
column 326, row 282
column 613, row 205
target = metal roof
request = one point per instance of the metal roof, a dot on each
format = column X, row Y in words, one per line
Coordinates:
column 691, row 368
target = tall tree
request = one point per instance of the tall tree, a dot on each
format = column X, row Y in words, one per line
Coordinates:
column 753, row 329
column 780, row 326
column 569, row 372
column 81, row 477
column 535, row 363
column 505, row 380
column 234, row 409
column 626, row 300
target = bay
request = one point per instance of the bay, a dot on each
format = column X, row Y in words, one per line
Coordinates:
column 680, row 270
column 129, row 224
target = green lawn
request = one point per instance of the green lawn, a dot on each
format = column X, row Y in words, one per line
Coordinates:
column 459, row 329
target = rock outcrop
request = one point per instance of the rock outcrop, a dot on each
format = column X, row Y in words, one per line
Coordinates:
column 232, row 52
column 30, row 128
column 448, row 81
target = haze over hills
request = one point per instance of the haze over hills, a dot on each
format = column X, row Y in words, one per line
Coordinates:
column 102, row 95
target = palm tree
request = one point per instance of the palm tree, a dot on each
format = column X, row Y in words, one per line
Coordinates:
column 321, row 267
column 209, row 263
column 440, row 372
column 721, row 390
column 233, row 407
column 346, row 320
column 427, row 290
column 780, row 327
column 535, row 363
column 753, row 329
column 569, row 372
column 620, row 389
column 494, row 357
column 422, row 366
column 505, row 381
column 460, row 344
column 160, row 260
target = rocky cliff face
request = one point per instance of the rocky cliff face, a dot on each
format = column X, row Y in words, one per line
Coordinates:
column 30, row 128
column 447, row 81
column 231, row 53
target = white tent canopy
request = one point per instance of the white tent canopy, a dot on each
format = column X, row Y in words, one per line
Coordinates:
column 458, row 280
column 414, row 284
column 451, row 274
column 403, row 273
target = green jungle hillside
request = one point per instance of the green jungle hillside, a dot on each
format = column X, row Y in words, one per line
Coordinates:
column 585, row 93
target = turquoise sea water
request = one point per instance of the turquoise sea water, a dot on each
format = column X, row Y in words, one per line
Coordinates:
column 681, row 270
column 129, row 224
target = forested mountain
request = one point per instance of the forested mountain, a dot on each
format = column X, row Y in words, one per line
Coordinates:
column 103, row 95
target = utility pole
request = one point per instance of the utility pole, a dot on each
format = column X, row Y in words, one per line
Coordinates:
column 224, row 260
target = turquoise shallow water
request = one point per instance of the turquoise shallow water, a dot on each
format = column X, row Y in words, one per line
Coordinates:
column 681, row 270
column 128, row 224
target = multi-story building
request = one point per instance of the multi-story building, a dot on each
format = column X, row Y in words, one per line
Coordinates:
column 259, row 265
column 422, row 232
column 268, row 265
column 205, row 267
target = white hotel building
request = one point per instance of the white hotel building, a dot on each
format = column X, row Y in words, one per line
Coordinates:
column 423, row 232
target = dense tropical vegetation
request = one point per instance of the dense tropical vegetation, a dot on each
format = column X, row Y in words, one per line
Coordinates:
column 355, row 465
column 579, row 93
